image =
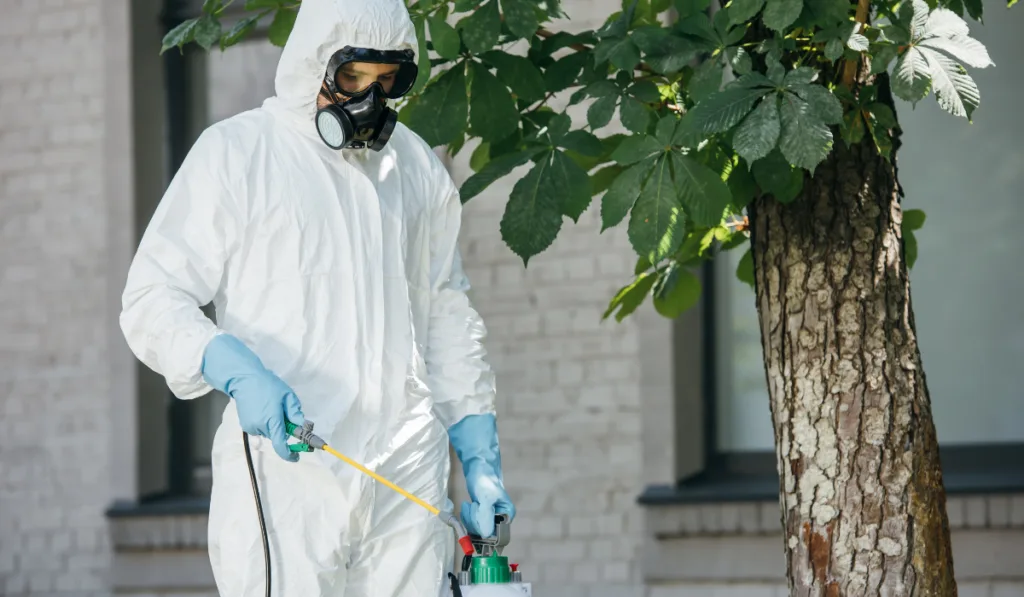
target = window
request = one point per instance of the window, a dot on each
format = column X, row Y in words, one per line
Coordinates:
column 965, row 293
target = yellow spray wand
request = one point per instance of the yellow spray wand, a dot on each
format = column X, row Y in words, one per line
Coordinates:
column 308, row 441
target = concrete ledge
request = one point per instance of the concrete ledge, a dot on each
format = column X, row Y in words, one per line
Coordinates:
column 171, row 532
column 160, row 556
column 978, row 555
column 162, row 572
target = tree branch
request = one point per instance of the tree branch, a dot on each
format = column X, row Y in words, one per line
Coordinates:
column 850, row 68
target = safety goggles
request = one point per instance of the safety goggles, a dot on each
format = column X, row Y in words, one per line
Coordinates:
column 404, row 59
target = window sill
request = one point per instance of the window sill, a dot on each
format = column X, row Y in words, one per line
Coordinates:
column 159, row 525
column 162, row 506
column 967, row 471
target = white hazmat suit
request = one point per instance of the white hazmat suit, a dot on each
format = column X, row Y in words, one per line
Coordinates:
column 340, row 269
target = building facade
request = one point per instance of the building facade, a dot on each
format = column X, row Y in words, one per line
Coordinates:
column 104, row 477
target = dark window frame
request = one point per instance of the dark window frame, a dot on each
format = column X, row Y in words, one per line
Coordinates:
column 751, row 476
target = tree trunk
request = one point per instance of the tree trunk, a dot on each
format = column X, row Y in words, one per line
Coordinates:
column 863, row 505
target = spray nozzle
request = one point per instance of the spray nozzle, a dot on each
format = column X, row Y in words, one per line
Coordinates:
column 308, row 441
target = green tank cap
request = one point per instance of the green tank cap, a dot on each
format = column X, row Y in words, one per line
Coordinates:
column 493, row 569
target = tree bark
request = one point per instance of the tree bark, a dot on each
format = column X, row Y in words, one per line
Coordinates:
column 861, row 492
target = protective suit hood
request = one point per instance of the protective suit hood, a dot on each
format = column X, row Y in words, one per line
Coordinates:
column 323, row 27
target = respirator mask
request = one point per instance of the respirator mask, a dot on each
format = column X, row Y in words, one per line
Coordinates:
column 363, row 119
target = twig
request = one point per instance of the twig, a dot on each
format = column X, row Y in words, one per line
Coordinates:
column 740, row 225
column 850, row 68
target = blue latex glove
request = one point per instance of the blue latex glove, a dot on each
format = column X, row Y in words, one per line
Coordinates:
column 262, row 399
column 475, row 439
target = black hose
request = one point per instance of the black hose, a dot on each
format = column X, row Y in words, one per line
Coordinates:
column 456, row 589
column 259, row 507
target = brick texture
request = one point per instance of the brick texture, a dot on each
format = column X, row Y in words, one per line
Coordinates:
column 53, row 300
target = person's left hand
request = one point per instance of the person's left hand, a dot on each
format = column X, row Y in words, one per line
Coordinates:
column 489, row 499
column 475, row 439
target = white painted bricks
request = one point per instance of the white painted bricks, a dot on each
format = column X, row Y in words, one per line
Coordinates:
column 54, row 302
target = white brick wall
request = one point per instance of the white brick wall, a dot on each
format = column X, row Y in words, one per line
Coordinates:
column 54, row 303
column 570, row 386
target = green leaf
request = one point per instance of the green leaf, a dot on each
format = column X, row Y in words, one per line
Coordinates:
column 179, row 36
column 630, row 297
column 852, row 128
column 664, row 52
column 776, row 72
column 520, row 17
column 258, row 4
column 533, row 215
column 642, row 265
column 707, row 79
column 685, row 8
column 745, row 268
column 622, row 194
column 739, row 60
column 834, row 49
column 582, row 142
column 621, row 52
column 636, row 148
column 823, row 104
column 777, row 177
column 440, row 114
column 881, row 57
column 239, row 30
column 423, row 75
column 562, row 74
column 494, row 169
column 702, row 190
column 599, row 114
column 955, row 90
column 635, row 115
column 207, row 32
column 658, row 222
column 794, row 184
column 741, row 11
column 446, row 39
column 493, row 114
column 759, row 132
column 802, row 75
column 682, row 293
column 911, row 80
column 913, row 219
column 699, row 26
column 480, row 156
column 806, row 140
column 519, row 74
column 481, row 29
column 780, row 14
column 882, row 115
column 858, row 42
column 210, row 6
column 644, row 91
column 281, row 26
column 724, row 109
column 618, row 26
column 742, row 187
column 558, row 127
column 570, row 183
column 666, row 129
column 601, row 180
column 601, row 89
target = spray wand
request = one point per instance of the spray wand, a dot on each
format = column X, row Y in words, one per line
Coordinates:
column 309, row 441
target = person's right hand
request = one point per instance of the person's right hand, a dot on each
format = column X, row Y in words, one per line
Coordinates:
column 262, row 398
column 262, row 401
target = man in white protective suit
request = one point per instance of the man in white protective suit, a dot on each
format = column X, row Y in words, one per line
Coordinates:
column 325, row 235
